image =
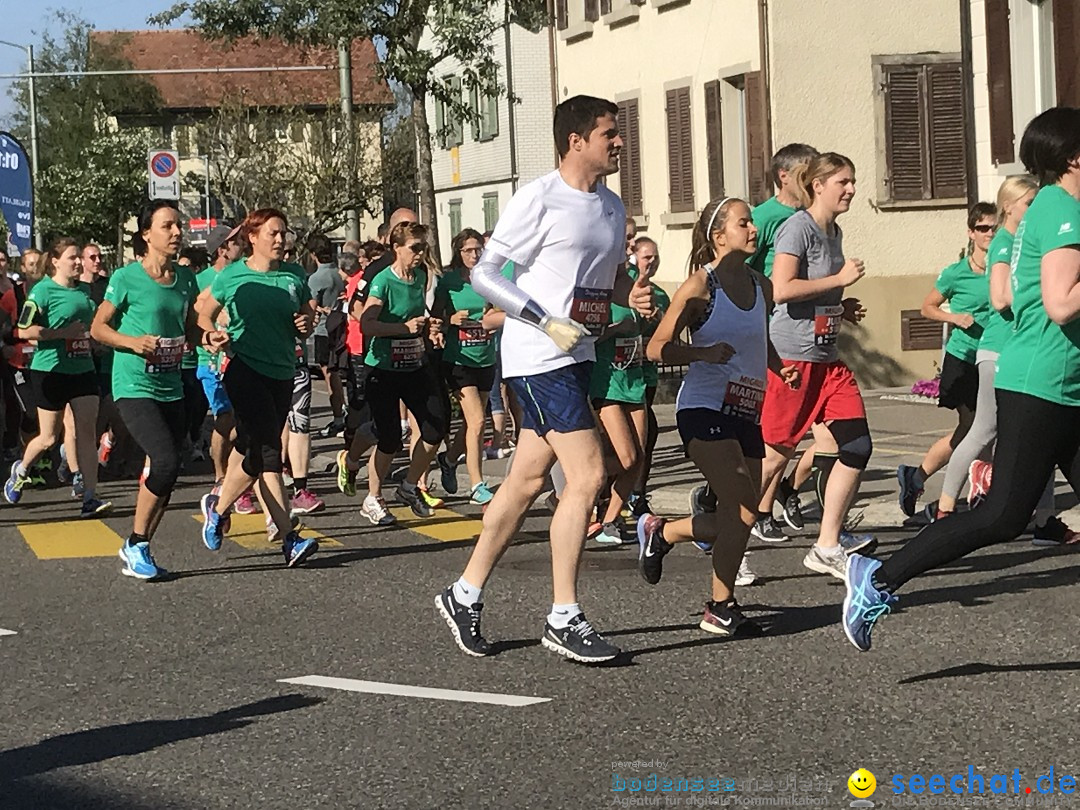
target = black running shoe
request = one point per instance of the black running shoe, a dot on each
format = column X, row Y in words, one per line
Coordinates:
column 464, row 623
column 767, row 530
column 651, row 548
column 791, row 507
column 727, row 619
column 579, row 642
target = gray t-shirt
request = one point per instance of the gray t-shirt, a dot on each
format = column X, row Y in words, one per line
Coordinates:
column 326, row 288
column 807, row 330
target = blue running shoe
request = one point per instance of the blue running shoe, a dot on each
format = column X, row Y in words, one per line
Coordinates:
column 15, row 483
column 447, row 474
column 864, row 604
column 910, row 488
column 212, row 530
column 704, row 545
column 138, row 563
column 857, row 543
column 297, row 549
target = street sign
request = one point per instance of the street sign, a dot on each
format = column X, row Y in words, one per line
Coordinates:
column 16, row 194
column 164, row 169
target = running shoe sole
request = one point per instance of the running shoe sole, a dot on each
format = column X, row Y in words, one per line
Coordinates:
column 454, row 628
column 563, row 651
column 303, row 555
column 127, row 572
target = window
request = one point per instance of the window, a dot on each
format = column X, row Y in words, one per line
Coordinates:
column 630, row 164
column 921, row 126
column 561, row 14
column 605, row 6
column 918, row 333
column 454, row 210
column 680, row 155
column 491, row 210
column 714, row 139
column 758, row 143
column 999, row 81
column 592, row 10
column 486, row 107
column 449, row 127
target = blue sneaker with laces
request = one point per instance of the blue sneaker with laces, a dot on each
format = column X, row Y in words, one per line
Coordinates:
column 138, row 563
column 212, row 529
column 297, row 549
column 704, row 545
column 14, row 486
column 864, row 604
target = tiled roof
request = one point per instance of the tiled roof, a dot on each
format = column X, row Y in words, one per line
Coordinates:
column 182, row 48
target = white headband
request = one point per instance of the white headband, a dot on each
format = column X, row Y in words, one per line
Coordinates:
column 712, row 219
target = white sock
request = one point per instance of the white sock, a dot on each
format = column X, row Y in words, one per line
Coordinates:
column 561, row 615
column 467, row 594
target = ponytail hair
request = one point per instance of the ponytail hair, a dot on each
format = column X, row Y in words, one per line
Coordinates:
column 145, row 220
column 713, row 218
column 821, row 167
column 1014, row 188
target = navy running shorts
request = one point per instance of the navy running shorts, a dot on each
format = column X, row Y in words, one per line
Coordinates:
column 555, row 400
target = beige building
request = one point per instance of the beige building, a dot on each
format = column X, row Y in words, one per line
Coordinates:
column 880, row 82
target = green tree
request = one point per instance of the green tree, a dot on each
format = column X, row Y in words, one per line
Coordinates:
column 459, row 30
column 92, row 177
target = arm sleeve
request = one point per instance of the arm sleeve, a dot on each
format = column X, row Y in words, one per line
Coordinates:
column 494, row 287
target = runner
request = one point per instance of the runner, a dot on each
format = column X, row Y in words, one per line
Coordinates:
column 964, row 286
column 57, row 314
column 147, row 317
column 396, row 324
column 565, row 234
column 1038, row 384
column 726, row 305
column 296, row 439
column 327, row 288
column 809, row 277
column 268, row 304
column 468, row 363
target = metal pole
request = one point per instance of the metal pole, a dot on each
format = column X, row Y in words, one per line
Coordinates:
column 206, row 160
column 352, row 223
column 39, row 240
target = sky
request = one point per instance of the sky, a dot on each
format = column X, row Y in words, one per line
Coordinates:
column 26, row 20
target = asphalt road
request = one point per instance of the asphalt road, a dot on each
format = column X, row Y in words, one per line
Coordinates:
column 145, row 696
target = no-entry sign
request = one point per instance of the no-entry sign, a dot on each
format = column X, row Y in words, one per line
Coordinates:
column 164, row 173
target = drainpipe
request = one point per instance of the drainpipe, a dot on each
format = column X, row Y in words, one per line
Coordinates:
column 554, row 73
column 766, row 77
column 966, row 66
column 511, row 122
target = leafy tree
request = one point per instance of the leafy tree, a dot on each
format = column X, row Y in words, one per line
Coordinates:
column 459, row 30
column 91, row 179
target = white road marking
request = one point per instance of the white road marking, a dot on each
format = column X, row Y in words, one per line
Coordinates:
column 4, row 632
column 378, row 688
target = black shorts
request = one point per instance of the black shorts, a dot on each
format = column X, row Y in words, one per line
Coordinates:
column 24, row 390
column 322, row 350
column 707, row 425
column 458, row 377
column 53, row 390
column 358, row 374
column 959, row 383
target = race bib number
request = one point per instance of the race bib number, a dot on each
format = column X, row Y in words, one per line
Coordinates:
column 591, row 307
column 827, row 324
column 473, row 336
column 77, row 347
column 406, row 353
column 167, row 356
column 628, row 351
column 744, row 398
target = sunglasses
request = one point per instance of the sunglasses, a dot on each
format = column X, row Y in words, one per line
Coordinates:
column 983, row 228
column 417, row 248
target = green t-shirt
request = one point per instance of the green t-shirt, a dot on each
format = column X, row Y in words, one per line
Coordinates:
column 54, row 306
column 998, row 326
column 204, row 279
column 768, row 217
column 144, row 307
column 661, row 301
column 618, row 375
column 402, row 301
column 966, row 292
column 473, row 345
column 1041, row 358
column 262, row 308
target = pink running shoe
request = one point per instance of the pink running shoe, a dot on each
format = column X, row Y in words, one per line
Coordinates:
column 305, row 502
column 980, row 473
column 245, row 504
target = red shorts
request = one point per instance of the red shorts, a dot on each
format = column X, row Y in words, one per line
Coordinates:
column 826, row 392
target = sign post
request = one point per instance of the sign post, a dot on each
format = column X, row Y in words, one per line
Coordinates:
column 16, row 194
column 164, row 169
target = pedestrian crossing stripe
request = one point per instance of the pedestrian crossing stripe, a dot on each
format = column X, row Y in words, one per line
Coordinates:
column 445, row 525
column 70, row 539
column 249, row 531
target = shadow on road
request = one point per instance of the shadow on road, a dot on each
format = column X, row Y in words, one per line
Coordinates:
column 126, row 739
column 981, row 668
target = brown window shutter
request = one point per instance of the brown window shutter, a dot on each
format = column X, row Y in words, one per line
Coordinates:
column 561, row 14
column 592, row 10
column 947, row 116
column 671, row 111
column 605, row 6
column 1066, row 55
column 756, row 139
column 999, row 80
column 714, row 139
column 917, row 332
column 909, row 176
column 686, row 152
column 630, row 163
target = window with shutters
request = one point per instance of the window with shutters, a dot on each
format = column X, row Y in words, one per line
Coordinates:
column 592, row 10
column 921, row 129
column 680, row 153
column 449, row 128
column 605, row 6
column 714, row 139
column 491, row 210
column 562, row 21
column 454, row 210
column 918, row 332
column 630, row 188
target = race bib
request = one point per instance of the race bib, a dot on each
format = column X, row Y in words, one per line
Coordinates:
column 167, row 356
column 628, row 352
column 591, row 307
column 406, row 353
column 827, row 324
column 744, row 398
column 77, row 347
column 473, row 336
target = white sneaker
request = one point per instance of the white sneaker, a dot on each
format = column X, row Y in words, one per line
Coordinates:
column 374, row 509
column 827, row 562
column 745, row 576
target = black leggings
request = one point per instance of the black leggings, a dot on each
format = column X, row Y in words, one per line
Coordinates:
column 261, row 405
column 424, row 394
column 158, row 429
column 1034, row 436
column 197, row 406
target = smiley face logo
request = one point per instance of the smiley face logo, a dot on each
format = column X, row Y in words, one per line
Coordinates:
column 862, row 784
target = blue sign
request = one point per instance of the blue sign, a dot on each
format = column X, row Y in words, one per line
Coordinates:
column 16, row 194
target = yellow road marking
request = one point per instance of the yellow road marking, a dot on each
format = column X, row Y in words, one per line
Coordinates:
column 445, row 525
column 249, row 531
column 70, row 539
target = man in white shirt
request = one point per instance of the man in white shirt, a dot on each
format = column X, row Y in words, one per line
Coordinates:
column 565, row 234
